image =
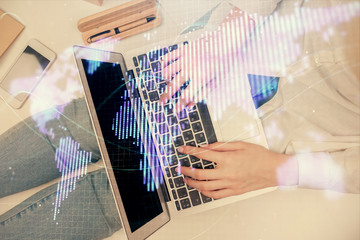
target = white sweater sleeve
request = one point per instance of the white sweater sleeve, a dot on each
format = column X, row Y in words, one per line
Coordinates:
column 337, row 171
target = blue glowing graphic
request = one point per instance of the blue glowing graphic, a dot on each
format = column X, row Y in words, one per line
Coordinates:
column 124, row 125
column 72, row 163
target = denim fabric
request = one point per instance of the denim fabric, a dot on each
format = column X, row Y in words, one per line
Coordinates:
column 27, row 159
column 27, row 150
column 89, row 212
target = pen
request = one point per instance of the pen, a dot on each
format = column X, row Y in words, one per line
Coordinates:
column 117, row 30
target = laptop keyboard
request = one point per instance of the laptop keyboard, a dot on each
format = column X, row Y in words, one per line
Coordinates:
column 189, row 127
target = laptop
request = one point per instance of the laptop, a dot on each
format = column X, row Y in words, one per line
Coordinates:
column 138, row 138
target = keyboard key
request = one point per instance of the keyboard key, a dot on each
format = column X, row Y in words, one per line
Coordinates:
column 153, row 56
column 188, row 135
column 171, row 184
column 143, row 62
column 138, row 72
column 142, row 83
column 162, row 87
column 200, row 137
column 158, row 139
column 175, row 130
column 182, row 114
column 205, row 162
column 197, row 165
column 185, row 203
column 194, row 116
column 177, row 204
column 154, row 128
column 174, row 194
column 145, row 94
column 168, row 109
column 184, row 124
column 173, row 47
column 156, row 107
column 195, row 197
column 173, row 172
column 176, row 95
column 205, row 199
column 169, row 150
column 192, row 143
column 156, row 66
column 158, row 77
column 163, row 128
column 197, row 127
column 151, row 117
column 209, row 167
column 185, row 42
column 135, row 62
column 178, row 141
column 166, row 139
column 172, row 160
column 147, row 105
column 167, row 172
column 165, row 162
column 163, row 51
column 185, row 162
column 194, row 159
column 160, row 117
column 161, row 149
column 172, row 120
column 150, row 85
column 193, row 108
column 179, row 182
column 147, row 75
column 182, row 192
column 154, row 96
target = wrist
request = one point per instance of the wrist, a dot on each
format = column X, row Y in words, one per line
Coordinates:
column 287, row 170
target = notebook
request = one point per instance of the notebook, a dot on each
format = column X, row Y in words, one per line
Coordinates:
column 10, row 29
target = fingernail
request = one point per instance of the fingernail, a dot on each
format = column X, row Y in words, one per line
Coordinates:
column 204, row 145
column 177, row 169
column 180, row 149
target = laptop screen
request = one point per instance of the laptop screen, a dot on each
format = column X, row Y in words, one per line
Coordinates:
column 123, row 140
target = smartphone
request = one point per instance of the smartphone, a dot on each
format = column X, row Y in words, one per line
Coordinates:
column 26, row 73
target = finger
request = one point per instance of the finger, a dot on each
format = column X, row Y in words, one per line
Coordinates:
column 226, row 146
column 172, row 87
column 219, row 193
column 172, row 63
column 172, row 69
column 171, row 56
column 195, row 93
column 200, row 174
column 182, row 103
column 187, row 96
column 206, row 185
column 202, row 153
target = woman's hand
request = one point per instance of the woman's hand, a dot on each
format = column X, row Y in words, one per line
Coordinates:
column 204, row 63
column 240, row 167
column 195, row 65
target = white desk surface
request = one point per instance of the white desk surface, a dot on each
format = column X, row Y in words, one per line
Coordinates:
column 282, row 214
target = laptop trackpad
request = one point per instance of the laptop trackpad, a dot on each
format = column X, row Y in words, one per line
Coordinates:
column 234, row 123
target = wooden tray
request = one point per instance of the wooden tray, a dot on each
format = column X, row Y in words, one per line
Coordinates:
column 120, row 22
